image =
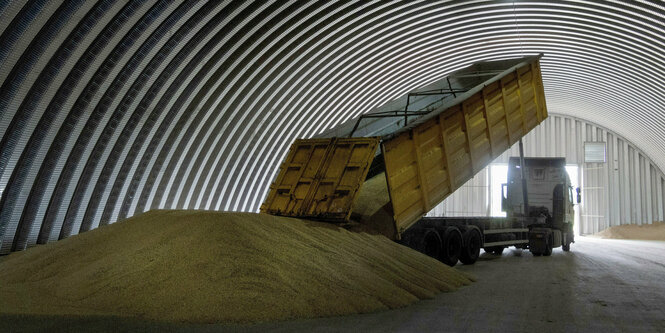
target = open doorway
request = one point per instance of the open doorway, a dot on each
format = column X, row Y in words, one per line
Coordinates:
column 498, row 176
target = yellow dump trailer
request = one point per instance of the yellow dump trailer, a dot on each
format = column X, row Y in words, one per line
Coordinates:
column 431, row 140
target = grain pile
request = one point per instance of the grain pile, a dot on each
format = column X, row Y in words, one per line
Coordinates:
column 196, row 266
column 655, row 231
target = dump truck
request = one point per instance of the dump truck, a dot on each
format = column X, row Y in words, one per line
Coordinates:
column 384, row 170
column 539, row 204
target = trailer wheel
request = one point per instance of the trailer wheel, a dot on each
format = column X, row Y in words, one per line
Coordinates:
column 424, row 240
column 452, row 246
column 471, row 251
column 430, row 243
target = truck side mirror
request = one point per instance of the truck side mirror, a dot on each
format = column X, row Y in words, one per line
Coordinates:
column 579, row 195
column 504, row 201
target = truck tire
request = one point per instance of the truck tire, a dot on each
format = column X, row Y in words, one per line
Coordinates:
column 471, row 251
column 566, row 244
column 430, row 243
column 548, row 247
column 424, row 240
column 452, row 246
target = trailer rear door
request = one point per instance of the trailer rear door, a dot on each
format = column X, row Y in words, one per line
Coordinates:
column 320, row 178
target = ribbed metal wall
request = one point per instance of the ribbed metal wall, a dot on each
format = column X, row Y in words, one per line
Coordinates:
column 627, row 189
column 110, row 108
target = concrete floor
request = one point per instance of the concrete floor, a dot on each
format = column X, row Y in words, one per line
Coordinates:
column 600, row 286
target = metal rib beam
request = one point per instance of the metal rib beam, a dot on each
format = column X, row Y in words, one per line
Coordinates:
column 109, row 109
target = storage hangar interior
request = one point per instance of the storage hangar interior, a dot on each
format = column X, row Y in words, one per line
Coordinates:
column 109, row 109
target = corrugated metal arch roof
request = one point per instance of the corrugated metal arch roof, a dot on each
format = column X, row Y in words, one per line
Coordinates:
column 112, row 108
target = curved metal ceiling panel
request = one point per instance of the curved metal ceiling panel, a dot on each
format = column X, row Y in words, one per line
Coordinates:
column 112, row 108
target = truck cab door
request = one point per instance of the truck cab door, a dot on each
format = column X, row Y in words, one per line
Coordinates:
column 570, row 206
column 504, row 198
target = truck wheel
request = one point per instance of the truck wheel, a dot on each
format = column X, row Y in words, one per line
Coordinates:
column 548, row 247
column 471, row 251
column 566, row 246
column 452, row 246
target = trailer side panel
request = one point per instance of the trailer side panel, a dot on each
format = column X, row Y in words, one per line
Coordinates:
column 427, row 163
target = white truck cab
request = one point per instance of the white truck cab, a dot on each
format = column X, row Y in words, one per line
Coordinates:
column 548, row 204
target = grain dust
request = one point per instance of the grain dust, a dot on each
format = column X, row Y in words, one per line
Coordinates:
column 198, row 266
